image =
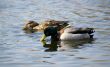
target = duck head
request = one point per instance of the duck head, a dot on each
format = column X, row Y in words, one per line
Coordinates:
column 29, row 26
column 50, row 31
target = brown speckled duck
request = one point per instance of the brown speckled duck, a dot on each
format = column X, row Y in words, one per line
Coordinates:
column 33, row 26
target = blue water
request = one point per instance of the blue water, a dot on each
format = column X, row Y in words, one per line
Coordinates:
column 19, row 49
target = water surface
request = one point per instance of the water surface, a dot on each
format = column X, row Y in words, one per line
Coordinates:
column 18, row 49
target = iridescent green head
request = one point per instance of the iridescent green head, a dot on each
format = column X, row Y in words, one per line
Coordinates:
column 50, row 31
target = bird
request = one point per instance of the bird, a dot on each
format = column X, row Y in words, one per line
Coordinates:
column 68, row 33
column 33, row 26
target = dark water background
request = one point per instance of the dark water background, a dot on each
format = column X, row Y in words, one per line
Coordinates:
column 18, row 49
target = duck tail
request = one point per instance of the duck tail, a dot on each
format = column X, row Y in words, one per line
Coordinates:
column 90, row 32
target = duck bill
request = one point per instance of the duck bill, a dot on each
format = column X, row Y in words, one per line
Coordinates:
column 43, row 37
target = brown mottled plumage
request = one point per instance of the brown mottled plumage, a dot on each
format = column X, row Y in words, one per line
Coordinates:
column 33, row 26
column 45, row 24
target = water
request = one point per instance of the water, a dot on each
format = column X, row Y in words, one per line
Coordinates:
column 18, row 49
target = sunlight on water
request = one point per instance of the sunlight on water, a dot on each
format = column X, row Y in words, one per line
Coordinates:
column 25, row 50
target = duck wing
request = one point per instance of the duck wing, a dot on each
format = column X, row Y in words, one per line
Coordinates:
column 79, row 30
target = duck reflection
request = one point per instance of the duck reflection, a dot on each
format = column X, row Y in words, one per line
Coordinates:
column 76, row 44
column 50, row 46
column 65, row 45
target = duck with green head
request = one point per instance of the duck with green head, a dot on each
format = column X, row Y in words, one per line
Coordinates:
column 68, row 33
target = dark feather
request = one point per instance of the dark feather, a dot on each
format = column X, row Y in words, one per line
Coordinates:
column 83, row 30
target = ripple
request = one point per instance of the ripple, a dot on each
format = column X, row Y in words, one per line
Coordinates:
column 102, row 61
column 81, row 58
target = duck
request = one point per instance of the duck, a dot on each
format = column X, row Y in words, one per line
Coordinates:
column 68, row 33
column 33, row 26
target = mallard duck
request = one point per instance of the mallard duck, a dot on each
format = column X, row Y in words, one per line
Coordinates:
column 47, row 23
column 33, row 26
column 68, row 33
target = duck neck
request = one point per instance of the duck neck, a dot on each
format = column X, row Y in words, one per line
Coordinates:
column 55, row 37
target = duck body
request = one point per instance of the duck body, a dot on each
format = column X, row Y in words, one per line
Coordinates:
column 69, row 36
column 47, row 23
column 70, row 33
column 76, row 33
